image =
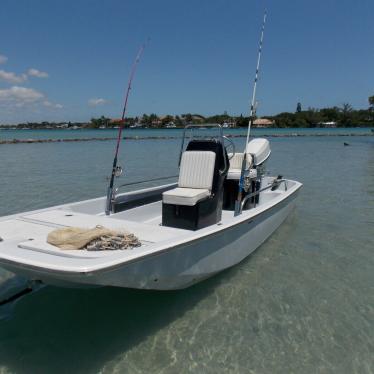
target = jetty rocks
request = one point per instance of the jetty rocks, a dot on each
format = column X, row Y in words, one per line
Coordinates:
column 33, row 141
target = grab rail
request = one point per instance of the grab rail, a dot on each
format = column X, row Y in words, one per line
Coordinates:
column 197, row 126
column 204, row 126
column 276, row 182
column 140, row 182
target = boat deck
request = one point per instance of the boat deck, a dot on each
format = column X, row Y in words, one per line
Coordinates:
column 31, row 229
column 144, row 222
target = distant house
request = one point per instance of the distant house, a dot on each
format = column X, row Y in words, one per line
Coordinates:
column 156, row 122
column 263, row 123
column 167, row 121
column 117, row 121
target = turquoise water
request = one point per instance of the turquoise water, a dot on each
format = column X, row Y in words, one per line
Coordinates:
column 302, row 303
column 104, row 133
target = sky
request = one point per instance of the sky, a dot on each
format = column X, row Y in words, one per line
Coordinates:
column 70, row 60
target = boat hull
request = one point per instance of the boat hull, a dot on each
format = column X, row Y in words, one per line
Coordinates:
column 180, row 266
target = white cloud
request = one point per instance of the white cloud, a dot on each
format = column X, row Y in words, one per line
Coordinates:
column 3, row 59
column 18, row 97
column 11, row 77
column 20, row 94
column 37, row 73
column 48, row 104
column 96, row 102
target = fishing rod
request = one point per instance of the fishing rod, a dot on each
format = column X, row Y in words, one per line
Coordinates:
column 252, row 112
column 117, row 170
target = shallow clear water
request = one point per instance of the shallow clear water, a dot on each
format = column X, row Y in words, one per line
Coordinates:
column 302, row 303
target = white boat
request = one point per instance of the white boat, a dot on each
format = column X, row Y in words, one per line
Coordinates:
column 221, row 209
column 188, row 230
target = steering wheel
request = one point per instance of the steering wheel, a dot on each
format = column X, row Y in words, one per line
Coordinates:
column 230, row 148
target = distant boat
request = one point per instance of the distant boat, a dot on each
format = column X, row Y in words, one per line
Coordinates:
column 171, row 125
column 329, row 124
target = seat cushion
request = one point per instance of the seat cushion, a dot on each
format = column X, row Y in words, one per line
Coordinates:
column 185, row 196
column 197, row 169
column 237, row 159
column 236, row 165
column 234, row 174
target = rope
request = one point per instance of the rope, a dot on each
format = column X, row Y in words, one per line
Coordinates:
column 113, row 242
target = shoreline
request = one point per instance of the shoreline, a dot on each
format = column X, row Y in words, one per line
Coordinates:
column 65, row 140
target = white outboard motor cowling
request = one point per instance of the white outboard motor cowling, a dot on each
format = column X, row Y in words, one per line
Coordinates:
column 259, row 151
column 259, row 148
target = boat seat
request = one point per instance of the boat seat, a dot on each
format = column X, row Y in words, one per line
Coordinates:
column 195, row 179
column 236, row 165
column 197, row 201
column 185, row 196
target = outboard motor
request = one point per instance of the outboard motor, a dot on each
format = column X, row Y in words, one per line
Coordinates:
column 259, row 148
column 257, row 152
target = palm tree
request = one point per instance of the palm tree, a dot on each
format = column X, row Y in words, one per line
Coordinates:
column 371, row 102
column 346, row 111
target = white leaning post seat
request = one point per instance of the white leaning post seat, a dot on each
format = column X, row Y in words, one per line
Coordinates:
column 195, row 179
column 236, row 165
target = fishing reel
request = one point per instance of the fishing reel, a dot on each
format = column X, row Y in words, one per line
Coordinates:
column 118, row 171
column 250, row 175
